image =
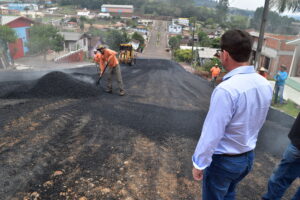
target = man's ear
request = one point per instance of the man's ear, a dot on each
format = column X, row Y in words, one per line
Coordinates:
column 225, row 55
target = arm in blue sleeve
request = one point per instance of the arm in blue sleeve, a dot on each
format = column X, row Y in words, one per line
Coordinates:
column 282, row 76
column 218, row 116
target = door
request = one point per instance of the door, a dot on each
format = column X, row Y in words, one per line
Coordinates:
column 16, row 49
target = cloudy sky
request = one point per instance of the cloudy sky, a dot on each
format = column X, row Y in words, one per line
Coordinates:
column 253, row 4
column 246, row 4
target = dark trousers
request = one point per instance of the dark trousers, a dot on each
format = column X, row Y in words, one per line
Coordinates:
column 222, row 176
column 117, row 71
column 287, row 171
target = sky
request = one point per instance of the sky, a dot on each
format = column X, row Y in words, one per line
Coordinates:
column 247, row 4
column 253, row 4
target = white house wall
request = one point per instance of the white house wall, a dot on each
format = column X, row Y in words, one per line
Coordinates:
column 266, row 51
column 295, row 62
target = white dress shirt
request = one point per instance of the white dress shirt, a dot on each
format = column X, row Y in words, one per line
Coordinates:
column 238, row 109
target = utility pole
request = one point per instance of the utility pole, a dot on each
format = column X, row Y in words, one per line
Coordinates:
column 193, row 39
column 261, row 33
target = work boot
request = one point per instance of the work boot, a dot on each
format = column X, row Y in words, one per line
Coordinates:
column 122, row 93
column 108, row 90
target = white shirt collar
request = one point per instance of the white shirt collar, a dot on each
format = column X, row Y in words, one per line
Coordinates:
column 240, row 70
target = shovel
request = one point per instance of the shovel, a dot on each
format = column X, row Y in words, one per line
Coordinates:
column 99, row 79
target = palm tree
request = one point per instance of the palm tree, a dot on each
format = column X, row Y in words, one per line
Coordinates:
column 286, row 5
column 261, row 33
column 281, row 5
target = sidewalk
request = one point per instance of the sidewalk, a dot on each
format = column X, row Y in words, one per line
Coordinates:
column 187, row 67
column 289, row 93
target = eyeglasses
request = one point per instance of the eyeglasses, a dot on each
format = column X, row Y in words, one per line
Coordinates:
column 218, row 53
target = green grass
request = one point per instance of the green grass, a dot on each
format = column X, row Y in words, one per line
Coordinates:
column 48, row 19
column 67, row 10
column 289, row 108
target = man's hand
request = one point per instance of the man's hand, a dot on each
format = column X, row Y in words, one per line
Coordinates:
column 197, row 174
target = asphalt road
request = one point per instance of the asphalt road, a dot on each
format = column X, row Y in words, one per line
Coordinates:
column 156, row 47
column 64, row 138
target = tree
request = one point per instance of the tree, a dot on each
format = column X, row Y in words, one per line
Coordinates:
column 215, row 43
column 261, row 33
column 286, row 5
column 7, row 35
column 73, row 19
column 183, row 55
column 174, row 42
column 282, row 5
column 275, row 24
column 139, row 37
column 238, row 21
column 209, row 21
column 222, row 10
column 203, row 38
column 44, row 38
column 113, row 38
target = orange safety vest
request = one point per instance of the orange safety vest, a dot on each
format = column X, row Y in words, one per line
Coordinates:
column 108, row 56
column 97, row 57
column 215, row 71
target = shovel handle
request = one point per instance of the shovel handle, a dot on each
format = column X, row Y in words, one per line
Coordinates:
column 98, row 81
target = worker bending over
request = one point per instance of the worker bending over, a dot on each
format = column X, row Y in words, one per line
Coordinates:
column 108, row 58
column 96, row 60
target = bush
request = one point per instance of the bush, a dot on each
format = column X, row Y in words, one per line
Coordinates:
column 208, row 65
column 183, row 55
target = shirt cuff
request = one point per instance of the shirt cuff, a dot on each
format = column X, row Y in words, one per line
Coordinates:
column 196, row 166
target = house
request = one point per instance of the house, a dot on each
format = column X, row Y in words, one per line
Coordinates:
column 275, row 51
column 175, row 29
column 4, row 10
column 21, row 25
column 74, row 41
column 184, row 21
column 22, row 6
column 52, row 10
column 104, row 15
column 118, row 10
column 145, row 22
column 32, row 14
column 294, row 72
column 83, row 12
column 204, row 53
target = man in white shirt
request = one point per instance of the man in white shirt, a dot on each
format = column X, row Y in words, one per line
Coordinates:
column 238, row 108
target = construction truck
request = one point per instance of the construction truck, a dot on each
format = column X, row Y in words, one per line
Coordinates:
column 127, row 54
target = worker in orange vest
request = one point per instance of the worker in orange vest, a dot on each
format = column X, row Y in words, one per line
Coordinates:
column 215, row 72
column 108, row 57
column 96, row 60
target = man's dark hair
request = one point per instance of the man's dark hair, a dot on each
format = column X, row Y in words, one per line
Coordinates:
column 238, row 44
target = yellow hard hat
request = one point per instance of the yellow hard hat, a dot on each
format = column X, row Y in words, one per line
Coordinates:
column 100, row 47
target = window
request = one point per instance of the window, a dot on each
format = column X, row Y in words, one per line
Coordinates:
column 267, row 62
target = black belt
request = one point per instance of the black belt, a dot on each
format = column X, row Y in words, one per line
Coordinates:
column 236, row 155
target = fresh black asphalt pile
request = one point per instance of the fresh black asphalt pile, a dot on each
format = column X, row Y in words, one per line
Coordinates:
column 57, row 84
column 62, row 137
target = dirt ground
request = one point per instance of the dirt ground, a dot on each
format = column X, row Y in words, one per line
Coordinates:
column 64, row 138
